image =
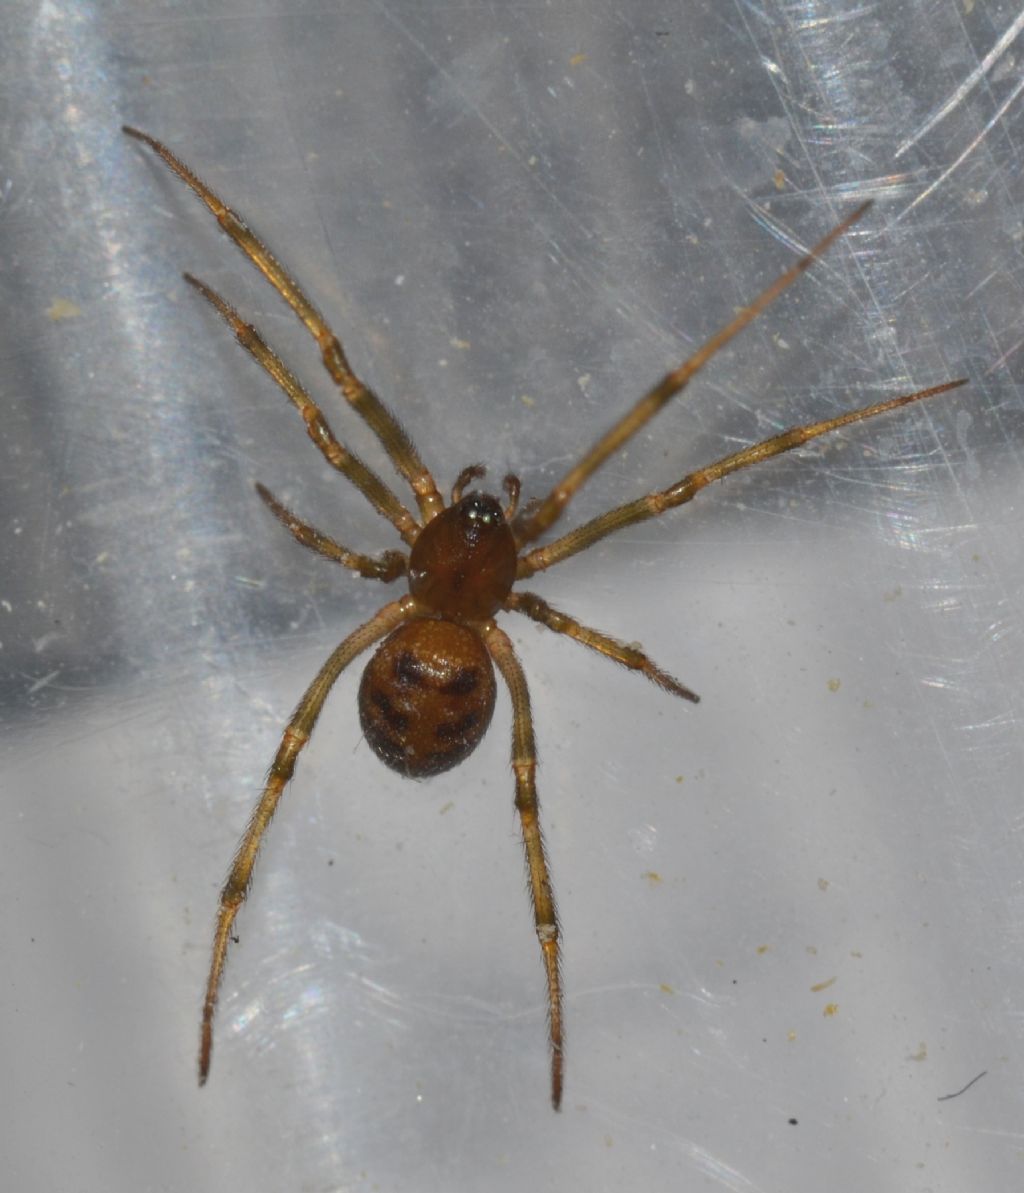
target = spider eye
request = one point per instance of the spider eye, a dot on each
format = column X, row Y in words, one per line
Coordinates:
column 479, row 510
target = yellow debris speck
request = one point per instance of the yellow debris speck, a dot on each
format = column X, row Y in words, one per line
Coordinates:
column 63, row 308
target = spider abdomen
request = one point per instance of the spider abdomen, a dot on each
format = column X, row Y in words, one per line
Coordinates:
column 427, row 696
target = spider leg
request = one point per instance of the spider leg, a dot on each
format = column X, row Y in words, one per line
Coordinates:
column 363, row 400
column 295, row 736
column 524, row 765
column 686, row 489
column 532, row 523
column 380, row 496
column 629, row 656
column 387, row 566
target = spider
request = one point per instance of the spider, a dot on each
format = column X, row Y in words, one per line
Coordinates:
column 427, row 694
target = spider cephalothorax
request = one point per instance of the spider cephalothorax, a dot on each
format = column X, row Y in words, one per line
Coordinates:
column 463, row 564
column 428, row 692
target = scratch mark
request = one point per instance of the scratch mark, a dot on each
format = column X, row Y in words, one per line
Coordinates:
column 43, row 683
column 972, row 80
column 1000, row 112
column 998, row 364
column 385, row 10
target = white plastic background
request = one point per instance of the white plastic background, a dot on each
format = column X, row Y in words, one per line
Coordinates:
column 517, row 215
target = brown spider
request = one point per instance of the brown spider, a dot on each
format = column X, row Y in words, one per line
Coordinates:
column 427, row 694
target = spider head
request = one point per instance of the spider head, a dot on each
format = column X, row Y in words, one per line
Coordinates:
column 463, row 564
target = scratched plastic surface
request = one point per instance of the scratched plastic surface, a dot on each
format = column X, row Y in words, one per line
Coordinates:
column 792, row 915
